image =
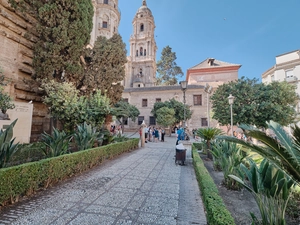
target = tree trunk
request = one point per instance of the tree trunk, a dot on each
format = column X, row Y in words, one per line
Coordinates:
column 209, row 155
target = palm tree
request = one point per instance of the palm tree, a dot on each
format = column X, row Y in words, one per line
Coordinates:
column 283, row 150
column 208, row 134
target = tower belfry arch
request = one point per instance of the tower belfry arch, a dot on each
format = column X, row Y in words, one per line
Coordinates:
column 141, row 66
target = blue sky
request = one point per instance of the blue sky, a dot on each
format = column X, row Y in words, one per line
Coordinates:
column 250, row 33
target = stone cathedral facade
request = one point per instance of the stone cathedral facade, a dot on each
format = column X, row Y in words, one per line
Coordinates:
column 139, row 84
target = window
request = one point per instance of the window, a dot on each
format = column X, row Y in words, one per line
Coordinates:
column 204, row 122
column 197, row 99
column 137, row 53
column 158, row 100
column 141, row 51
column 145, row 52
column 152, row 120
column 144, row 102
column 105, row 1
column 104, row 24
column 142, row 27
column 125, row 120
column 289, row 73
column 140, row 120
column 125, row 100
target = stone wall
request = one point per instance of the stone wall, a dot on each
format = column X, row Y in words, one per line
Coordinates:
column 17, row 37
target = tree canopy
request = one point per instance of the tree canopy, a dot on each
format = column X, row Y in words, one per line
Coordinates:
column 63, row 28
column 178, row 107
column 71, row 109
column 122, row 110
column 167, row 68
column 165, row 116
column 255, row 103
column 105, row 67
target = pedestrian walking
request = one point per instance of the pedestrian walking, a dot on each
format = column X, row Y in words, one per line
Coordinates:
column 162, row 135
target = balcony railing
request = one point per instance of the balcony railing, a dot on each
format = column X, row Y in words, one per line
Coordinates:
column 290, row 79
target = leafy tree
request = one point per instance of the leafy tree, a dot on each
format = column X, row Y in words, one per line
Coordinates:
column 104, row 67
column 167, row 68
column 71, row 109
column 98, row 107
column 63, row 28
column 255, row 103
column 178, row 107
column 122, row 110
column 165, row 116
column 5, row 100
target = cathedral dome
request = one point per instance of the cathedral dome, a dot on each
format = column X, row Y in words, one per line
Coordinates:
column 144, row 9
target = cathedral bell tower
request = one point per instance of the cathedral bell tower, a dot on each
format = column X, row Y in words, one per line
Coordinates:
column 106, row 19
column 141, row 66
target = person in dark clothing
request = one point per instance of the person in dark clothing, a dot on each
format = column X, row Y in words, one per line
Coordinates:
column 162, row 135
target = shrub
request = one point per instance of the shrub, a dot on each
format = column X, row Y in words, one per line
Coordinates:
column 27, row 153
column 85, row 136
column 217, row 212
column 7, row 146
column 56, row 144
column 271, row 188
column 228, row 156
column 27, row 178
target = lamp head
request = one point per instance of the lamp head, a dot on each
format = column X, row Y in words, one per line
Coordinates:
column 183, row 85
column 230, row 99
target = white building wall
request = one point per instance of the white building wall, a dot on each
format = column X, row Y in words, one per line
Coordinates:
column 287, row 57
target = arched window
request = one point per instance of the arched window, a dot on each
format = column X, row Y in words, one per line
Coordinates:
column 137, row 53
column 141, row 72
column 142, row 27
column 141, row 51
column 145, row 52
column 104, row 24
column 105, row 1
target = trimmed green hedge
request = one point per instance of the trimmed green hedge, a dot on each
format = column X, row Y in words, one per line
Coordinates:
column 27, row 178
column 217, row 213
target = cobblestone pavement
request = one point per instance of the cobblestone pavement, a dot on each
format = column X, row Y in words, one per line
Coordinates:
column 141, row 187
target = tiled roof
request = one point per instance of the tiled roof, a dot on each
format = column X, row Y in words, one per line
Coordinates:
column 210, row 63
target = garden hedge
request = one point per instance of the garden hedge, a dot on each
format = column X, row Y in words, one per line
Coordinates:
column 25, row 179
column 216, row 211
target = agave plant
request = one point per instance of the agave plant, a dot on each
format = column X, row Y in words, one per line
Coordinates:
column 283, row 151
column 208, row 134
column 56, row 144
column 85, row 136
column 7, row 146
column 228, row 157
column 271, row 188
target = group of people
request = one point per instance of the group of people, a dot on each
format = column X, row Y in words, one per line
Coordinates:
column 115, row 130
column 154, row 134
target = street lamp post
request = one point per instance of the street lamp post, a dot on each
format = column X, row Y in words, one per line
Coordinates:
column 208, row 90
column 183, row 85
column 230, row 100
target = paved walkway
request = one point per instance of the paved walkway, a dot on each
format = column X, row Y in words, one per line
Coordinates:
column 141, row 187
